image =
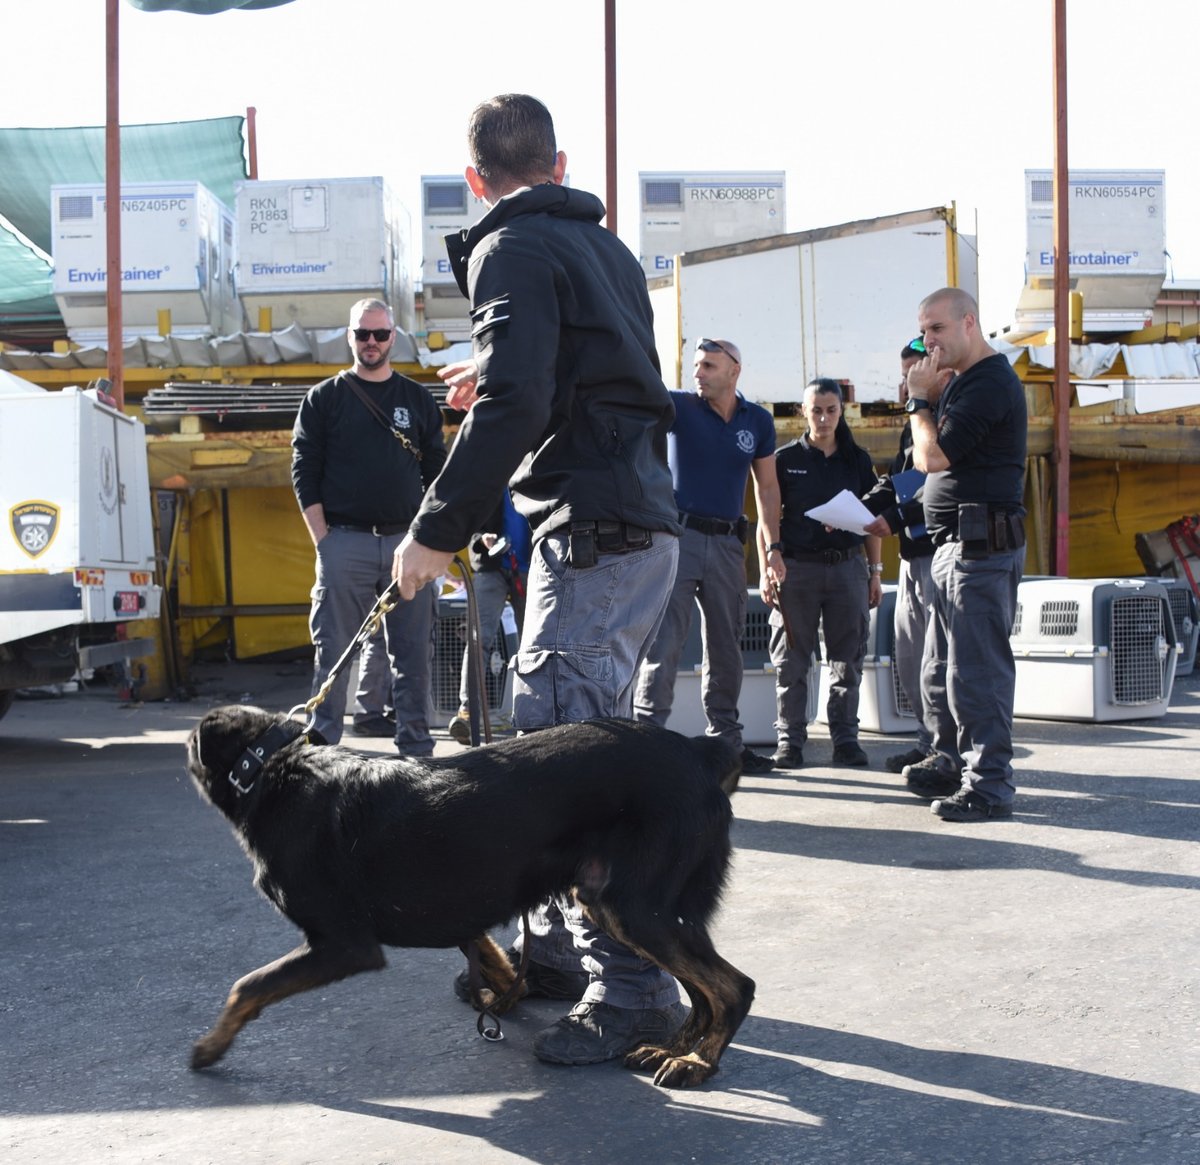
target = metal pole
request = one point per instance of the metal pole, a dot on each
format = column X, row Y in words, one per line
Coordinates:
column 252, row 141
column 610, row 112
column 1062, row 303
column 112, row 195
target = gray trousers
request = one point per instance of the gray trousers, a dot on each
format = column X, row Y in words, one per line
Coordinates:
column 584, row 635
column 373, row 696
column 711, row 575
column 968, row 678
column 491, row 591
column 353, row 569
column 914, row 601
column 833, row 597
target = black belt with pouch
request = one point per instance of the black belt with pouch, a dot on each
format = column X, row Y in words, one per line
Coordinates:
column 586, row 541
column 983, row 532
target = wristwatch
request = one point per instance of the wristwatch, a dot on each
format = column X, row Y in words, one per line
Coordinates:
column 775, row 546
column 876, row 567
column 915, row 404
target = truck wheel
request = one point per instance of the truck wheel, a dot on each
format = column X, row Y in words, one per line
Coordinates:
column 6, row 699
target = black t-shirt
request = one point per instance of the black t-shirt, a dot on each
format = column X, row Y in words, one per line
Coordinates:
column 345, row 459
column 982, row 428
column 808, row 478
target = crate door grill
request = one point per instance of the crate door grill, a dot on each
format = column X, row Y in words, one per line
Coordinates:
column 1137, row 631
column 449, row 641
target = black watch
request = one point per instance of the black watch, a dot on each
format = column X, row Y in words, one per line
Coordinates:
column 775, row 546
column 915, row 404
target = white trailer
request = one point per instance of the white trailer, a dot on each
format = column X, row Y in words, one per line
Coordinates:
column 177, row 254
column 308, row 249
column 77, row 548
column 839, row 301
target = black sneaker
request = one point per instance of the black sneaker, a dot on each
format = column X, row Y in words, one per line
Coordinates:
column 753, row 762
column 374, row 726
column 788, row 756
column 541, row 981
column 898, row 763
column 595, row 1032
column 967, row 805
column 850, row 753
column 930, row 779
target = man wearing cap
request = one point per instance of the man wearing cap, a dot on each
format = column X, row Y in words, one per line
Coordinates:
column 718, row 440
column 366, row 445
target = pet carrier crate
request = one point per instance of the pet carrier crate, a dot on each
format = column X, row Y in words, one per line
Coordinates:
column 449, row 639
column 1093, row 649
column 882, row 704
column 756, row 705
column 1185, row 610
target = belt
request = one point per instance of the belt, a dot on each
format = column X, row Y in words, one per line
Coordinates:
column 380, row 531
column 587, row 540
column 709, row 525
column 825, row 557
column 1005, row 532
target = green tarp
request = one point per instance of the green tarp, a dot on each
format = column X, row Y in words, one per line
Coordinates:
column 32, row 160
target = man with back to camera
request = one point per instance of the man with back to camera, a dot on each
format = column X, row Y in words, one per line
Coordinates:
column 365, row 446
column 969, row 437
column 717, row 441
column 566, row 399
column 914, row 589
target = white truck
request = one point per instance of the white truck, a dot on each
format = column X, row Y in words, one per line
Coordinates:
column 77, row 548
column 838, row 301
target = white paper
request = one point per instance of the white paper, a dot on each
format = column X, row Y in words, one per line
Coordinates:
column 843, row 512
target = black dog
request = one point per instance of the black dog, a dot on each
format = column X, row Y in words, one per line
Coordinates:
column 359, row 852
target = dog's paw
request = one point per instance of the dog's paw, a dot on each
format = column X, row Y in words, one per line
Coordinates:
column 206, row 1052
column 670, row 1071
column 684, row 1072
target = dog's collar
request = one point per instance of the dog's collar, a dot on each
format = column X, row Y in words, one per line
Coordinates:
column 244, row 773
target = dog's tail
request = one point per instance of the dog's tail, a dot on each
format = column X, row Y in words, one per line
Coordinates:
column 720, row 758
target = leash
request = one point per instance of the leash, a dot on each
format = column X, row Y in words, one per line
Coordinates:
column 488, row 1025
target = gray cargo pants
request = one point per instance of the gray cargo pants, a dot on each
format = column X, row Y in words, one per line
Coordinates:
column 914, row 601
column 711, row 575
column 353, row 569
column 585, row 633
column 968, row 678
column 813, row 595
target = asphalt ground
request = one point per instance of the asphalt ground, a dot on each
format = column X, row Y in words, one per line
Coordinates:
column 1019, row 991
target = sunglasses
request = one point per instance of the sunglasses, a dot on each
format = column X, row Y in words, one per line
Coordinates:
column 917, row 345
column 362, row 335
column 713, row 346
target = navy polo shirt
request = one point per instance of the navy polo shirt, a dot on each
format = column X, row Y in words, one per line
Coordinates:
column 710, row 457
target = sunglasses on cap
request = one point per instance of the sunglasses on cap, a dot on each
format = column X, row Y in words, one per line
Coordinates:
column 362, row 335
column 917, row 345
column 703, row 345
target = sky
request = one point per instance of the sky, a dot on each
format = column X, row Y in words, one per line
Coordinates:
column 871, row 107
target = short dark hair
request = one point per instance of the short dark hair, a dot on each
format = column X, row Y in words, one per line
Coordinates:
column 511, row 141
column 908, row 352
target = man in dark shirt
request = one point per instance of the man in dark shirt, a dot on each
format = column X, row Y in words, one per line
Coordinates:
column 567, row 403
column 972, row 447
column 366, row 445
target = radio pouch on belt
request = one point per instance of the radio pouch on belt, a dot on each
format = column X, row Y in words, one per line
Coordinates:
column 973, row 529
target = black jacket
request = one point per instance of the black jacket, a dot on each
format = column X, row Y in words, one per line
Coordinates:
column 572, row 407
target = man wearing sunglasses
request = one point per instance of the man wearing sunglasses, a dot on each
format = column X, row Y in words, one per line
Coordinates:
column 567, row 403
column 902, row 512
column 719, row 439
column 365, row 446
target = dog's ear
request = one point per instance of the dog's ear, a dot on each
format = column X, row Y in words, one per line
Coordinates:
column 215, row 744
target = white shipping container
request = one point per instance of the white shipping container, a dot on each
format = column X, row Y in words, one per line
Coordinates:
column 177, row 253
column 690, row 211
column 447, row 207
column 308, row 249
column 1116, row 224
